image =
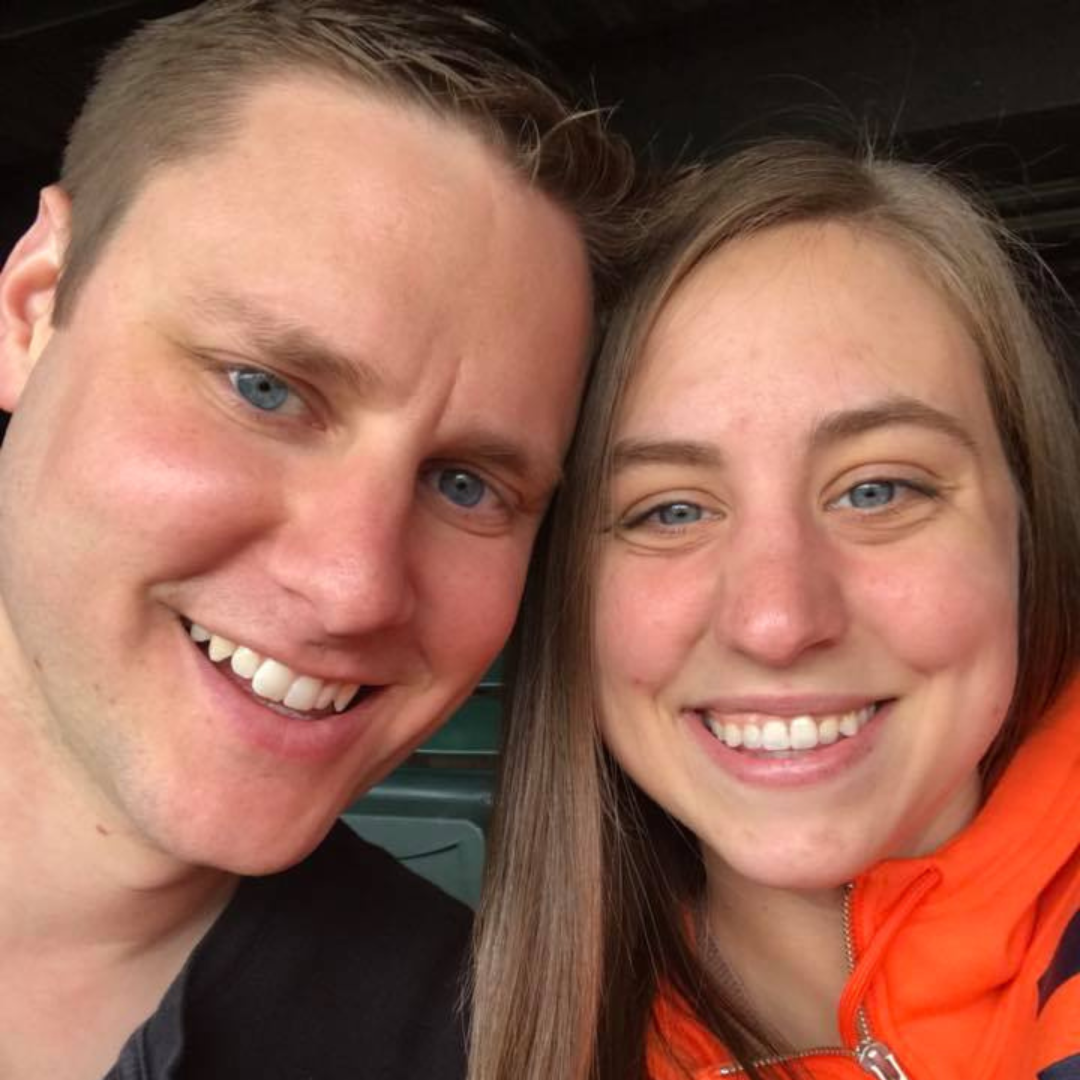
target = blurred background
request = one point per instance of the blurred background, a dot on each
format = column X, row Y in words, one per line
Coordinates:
column 991, row 87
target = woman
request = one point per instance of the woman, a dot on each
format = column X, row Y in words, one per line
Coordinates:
column 815, row 579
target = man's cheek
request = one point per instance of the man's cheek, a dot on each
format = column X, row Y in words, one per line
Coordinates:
column 478, row 594
column 161, row 481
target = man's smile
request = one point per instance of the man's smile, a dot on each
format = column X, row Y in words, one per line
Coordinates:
column 274, row 681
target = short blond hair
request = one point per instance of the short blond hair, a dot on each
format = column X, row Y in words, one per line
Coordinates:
column 176, row 86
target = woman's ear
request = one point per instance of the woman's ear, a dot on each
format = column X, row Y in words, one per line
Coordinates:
column 27, row 290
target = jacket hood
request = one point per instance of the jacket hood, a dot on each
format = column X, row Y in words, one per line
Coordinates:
column 990, row 911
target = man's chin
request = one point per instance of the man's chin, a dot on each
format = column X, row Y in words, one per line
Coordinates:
column 242, row 846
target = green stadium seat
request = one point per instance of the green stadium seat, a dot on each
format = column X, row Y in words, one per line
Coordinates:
column 433, row 812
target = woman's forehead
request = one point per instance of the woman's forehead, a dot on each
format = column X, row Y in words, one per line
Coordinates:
column 807, row 316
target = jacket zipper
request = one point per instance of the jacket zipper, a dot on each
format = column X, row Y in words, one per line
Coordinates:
column 879, row 1061
column 874, row 1056
column 871, row 1055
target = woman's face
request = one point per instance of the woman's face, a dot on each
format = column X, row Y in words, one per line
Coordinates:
column 807, row 608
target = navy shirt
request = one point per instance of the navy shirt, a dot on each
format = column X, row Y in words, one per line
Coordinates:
column 344, row 966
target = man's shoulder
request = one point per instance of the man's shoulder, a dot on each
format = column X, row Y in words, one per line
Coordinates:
column 364, row 894
column 352, row 877
column 349, row 911
column 347, row 963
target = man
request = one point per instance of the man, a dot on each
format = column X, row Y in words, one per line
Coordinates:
column 293, row 351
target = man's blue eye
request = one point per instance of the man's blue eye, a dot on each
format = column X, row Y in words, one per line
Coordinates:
column 872, row 495
column 260, row 389
column 678, row 513
column 461, row 488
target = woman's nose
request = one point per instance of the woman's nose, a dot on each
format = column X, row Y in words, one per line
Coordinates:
column 781, row 595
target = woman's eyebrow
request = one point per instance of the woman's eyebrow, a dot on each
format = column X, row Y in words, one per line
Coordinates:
column 889, row 412
column 631, row 452
column 833, row 428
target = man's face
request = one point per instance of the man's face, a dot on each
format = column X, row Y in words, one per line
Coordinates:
column 312, row 398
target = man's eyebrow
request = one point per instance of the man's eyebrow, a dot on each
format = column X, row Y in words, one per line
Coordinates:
column 631, row 452
column 889, row 412
column 284, row 343
column 541, row 475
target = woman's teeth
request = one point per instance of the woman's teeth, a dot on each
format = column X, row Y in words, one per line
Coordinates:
column 796, row 733
column 272, row 680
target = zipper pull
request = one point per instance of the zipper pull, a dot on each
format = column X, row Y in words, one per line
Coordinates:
column 878, row 1060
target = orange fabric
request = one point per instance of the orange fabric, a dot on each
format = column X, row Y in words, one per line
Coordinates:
column 969, row 959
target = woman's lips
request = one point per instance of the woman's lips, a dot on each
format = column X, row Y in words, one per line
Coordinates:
column 762, row 731
column 788, row 748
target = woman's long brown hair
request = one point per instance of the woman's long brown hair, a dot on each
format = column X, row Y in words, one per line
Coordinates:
column 589, row 882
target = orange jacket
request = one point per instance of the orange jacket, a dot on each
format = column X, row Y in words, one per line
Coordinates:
column 968, row 960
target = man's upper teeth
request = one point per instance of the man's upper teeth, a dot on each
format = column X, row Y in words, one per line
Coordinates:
column 273, row 680
column 796, row 733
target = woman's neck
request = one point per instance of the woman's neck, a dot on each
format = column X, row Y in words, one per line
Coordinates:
column 785, row 953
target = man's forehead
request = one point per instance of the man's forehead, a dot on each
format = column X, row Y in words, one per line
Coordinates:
column 297, row 102
column 307, row 139
column 313, row 118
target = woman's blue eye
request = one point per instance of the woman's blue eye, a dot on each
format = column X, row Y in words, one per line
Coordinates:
column 872, row 495
column 678, row 513
column 462, row 488
column 260, row 388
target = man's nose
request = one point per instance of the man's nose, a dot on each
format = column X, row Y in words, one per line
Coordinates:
column 781, row 595
column 344, row 548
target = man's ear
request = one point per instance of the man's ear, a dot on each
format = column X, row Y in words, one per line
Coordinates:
column 27, row 290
